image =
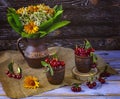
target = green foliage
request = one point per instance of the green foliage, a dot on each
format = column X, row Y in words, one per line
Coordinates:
column 10, row 67
column 49, row 68
column 94, row 57
column 87, row 44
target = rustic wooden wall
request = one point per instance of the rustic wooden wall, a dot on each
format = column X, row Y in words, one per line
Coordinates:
column 99, row 23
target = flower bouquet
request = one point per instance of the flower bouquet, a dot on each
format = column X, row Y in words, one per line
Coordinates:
column 36, row 21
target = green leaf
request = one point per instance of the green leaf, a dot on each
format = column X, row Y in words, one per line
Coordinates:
column 46, row 24
column 87, row 44
column 25, row 35
column 94, row 57
column 51, row 71
column 58, row 7
column 19, row 70
column 17, row 20
column 55, row 56
column 10, row 67
column 48, row 66
column 50, row 22
column 11, row 10
column 57, row 26
column 43, row 33
column 12, row 24
column 55, row 7
column 44, row 63
column 58, row 16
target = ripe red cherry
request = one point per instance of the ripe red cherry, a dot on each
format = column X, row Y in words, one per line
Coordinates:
column 9, row 75
column 104, row 74
column 52, row 62
column 73, row 89
column 13, row 75
column 94, row 84
column 7, row 72
column 101, row 80
column 47, row 60
column 87, row 83
column 90, row 86
column 107, row 74
column 58, row 63
column 76, row 89
column 62, row 63
column 18, row 76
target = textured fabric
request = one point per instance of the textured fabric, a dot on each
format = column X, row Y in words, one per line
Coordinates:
column 14, row 87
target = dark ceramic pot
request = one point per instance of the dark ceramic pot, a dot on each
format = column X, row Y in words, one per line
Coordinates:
column 83, row 64
column 35, row 51
column 58, row 76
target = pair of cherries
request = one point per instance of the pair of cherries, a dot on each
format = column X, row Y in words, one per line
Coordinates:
column 10, row 72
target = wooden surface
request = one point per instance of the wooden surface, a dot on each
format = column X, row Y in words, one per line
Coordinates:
column 99, row 23
column 110, row 90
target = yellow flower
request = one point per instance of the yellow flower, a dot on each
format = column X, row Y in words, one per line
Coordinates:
column 31, row 82
column 32, row 8
column 45, row 8
column 20, row 10
column 31, row 28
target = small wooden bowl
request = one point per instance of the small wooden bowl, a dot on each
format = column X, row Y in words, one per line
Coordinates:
column 84, row 76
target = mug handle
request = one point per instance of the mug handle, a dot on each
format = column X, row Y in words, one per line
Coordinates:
column 18, row 45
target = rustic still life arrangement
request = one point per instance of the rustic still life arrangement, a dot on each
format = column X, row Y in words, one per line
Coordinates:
column 39, row 71
column 34, row 23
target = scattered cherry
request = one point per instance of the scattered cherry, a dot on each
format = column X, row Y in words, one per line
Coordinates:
column 101, row 80
column 76, row 88
column 7, row 72
column 87, row 83
column 94, row 84
column 9, row 75
column 13, row 75
column 104, row 74
column 18, row 76
column 91, row 85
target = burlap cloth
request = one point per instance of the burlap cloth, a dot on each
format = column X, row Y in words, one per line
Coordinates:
column 14, row 87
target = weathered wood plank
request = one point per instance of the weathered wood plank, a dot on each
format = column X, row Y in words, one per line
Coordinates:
column 105, row 13
column 72, row 31
column 76, row 97
column 98, row 43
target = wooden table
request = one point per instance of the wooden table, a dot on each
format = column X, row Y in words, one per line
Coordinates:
column 110, row 90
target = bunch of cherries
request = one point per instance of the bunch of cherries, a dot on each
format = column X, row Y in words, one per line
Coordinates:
column 83, row 52
column 54, row 62
column 10, row 72
column 91, row 84
column 13, row 75
column 76, row 88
